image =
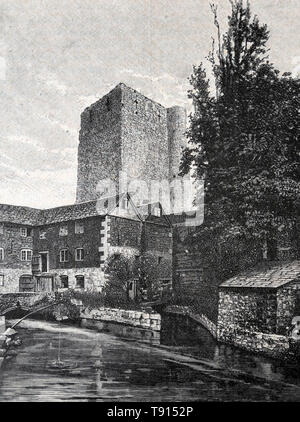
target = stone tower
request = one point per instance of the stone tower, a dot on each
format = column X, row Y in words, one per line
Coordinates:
column 125, row 131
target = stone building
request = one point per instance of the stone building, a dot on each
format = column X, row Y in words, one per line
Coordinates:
column 261, row 300
column 16, row 245
column 126, row 132
column 68, row 246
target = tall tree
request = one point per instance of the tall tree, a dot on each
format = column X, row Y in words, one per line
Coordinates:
column 244, row 141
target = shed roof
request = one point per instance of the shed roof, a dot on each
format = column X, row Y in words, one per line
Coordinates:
column 265, row 275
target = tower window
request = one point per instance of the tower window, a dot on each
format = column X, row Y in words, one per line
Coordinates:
column 1, row 254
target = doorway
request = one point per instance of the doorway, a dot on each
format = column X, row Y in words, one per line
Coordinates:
column 44, row 262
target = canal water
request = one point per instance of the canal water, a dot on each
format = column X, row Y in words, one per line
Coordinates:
column 184, row 365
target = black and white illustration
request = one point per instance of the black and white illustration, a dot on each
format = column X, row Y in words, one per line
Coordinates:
column 149, row 201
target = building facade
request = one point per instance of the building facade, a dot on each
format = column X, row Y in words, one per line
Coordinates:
column 68, row 247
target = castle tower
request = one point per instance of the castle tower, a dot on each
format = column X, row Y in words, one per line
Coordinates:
column 126, row 131
column 177, row 139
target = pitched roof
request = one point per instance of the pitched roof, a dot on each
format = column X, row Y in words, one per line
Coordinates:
column 19, row 215
column 266, row 275
column 35, row 217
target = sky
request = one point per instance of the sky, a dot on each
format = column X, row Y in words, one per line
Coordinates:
column 59, row 56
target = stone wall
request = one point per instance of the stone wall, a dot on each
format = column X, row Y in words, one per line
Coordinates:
column 149, row 321
column 99, row 151
column 11, row 267
column 52, row 242
column 286, row 306
column 126, row 131
column 94, row 277
column 270, row 344
column 145, row 152
column 247, row 309
column 11, row 279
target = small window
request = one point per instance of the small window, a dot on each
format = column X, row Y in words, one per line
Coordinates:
column 1, row 254
column 63, row 230
column 79, row 254
column 26, row 255
column 159, row 259
column 1, row 280
column 125, row 203
column 157, row 212
column 64, row 281
column 79, row 227
column 64, row 255
column 80, row 281
column 1, row 228
column 26, row 232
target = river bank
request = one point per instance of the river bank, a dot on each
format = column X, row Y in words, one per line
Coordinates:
column 112, row 368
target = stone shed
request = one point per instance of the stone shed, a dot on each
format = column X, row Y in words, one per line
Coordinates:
column 261, row 300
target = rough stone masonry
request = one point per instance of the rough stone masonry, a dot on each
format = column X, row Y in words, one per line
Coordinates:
column 125, row 131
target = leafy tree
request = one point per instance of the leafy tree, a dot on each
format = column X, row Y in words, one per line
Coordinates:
column 244, row 141
column 120, row 273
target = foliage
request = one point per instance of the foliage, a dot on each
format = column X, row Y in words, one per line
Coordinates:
column 120, row 271
column 94, row 300
column 244, row 141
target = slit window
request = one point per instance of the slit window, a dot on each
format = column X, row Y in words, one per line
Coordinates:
column 1, row 254
column 1, row 280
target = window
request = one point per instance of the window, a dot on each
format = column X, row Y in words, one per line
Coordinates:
column 79, row 254
column 26, row 232
column 125, row 203
column 63, row 230
column 1, row 228
column 64, row 281
column 80, row 281
column 26, row 255
column 1, row 280
column 64, row 255
column 1, row 254
column 157, row 212
column 79, row 227
column 159, row 260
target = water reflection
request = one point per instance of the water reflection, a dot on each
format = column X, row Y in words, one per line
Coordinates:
column 183, row 365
